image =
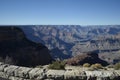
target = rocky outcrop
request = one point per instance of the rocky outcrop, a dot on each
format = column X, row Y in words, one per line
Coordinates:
column 90, row 58
column 111, row 57
column 11, row 72
column 16, row 49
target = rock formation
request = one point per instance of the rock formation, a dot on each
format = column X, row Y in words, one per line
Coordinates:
column 90, row 58
column 16, row 49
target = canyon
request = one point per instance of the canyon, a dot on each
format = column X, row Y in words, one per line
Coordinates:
column 66, row 41
column 22, row 48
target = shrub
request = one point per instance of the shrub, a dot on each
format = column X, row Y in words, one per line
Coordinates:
column 97, row 66
column 86, row 65
column 117, row 66
column 105, row 68
column 39, row 66
column 57, row 65
column 110, row 66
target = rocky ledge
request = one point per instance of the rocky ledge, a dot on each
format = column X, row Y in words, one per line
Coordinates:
column 11, row 72
column 89, row 57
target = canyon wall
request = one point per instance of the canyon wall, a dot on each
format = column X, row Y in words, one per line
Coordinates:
column 16, row 49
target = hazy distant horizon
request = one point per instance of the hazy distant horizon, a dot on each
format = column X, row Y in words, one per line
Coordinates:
column 63, row 25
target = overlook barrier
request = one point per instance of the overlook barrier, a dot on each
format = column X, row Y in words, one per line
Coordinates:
column 12, row 72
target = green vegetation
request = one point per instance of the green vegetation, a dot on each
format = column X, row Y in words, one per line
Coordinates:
column 110, row 66
column 39, row 66
column 86, row 65
column 117, row 66
column 57, row 65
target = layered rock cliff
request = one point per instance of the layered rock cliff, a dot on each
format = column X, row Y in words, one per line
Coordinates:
column 16, row 49
column 66, row 41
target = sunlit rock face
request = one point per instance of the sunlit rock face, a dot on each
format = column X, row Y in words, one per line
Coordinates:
column 90, row 57
column 16, row 49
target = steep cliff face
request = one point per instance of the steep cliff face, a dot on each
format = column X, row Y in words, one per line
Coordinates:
column 16, row 49
column 50, row 37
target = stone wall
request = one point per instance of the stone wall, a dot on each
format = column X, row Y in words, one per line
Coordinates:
column 12, row 72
